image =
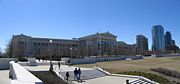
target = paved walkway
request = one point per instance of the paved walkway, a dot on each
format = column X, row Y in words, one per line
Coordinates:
column 89, row 75
column 37, row 68
column 92, row 76
column 4, row 77
column 86, row 73
column 106, row 80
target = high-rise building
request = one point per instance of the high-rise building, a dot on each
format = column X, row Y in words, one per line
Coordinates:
column 158, row 42
column 168, row 39
column 173, row 42
column 142, row 44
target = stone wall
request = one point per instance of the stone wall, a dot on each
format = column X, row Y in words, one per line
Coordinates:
column 102, row 59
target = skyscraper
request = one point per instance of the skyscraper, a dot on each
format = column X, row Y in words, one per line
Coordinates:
column 173, row 42
column 142, row 43
column 158, row 42
column 168, row 39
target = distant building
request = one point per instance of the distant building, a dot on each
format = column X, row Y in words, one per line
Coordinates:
column 27, row 46
column 142, row 44
column 168, row 39
column 102, row 44
column 125, row 49
column 98, row 44
column 173, row 42
column 158, row 41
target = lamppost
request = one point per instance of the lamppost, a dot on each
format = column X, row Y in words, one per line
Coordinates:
column 59, row 54
column 89, row 51
column 76, row 52
column 50, row 46
column 71, row 53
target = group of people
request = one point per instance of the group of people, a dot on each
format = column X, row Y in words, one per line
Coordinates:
column 77, row 74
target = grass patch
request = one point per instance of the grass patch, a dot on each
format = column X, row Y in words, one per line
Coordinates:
column 48, row 77
column 150, row 76
column 167, row 72
column 143, row 65
column 177, row 58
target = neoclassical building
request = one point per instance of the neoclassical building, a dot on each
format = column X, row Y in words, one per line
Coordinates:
column 99, row 44
column 102, row 44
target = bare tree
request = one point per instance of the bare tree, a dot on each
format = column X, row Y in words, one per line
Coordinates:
column 0, row 53
column 8, row 50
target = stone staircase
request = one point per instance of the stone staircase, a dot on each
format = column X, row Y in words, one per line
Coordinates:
column 140, row 81
column 85, row 74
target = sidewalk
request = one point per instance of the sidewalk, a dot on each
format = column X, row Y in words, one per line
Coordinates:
column 86, row 73
column 92, row 76
column 4, row 77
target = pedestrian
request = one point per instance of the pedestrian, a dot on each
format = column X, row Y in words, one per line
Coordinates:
column 67, row 76
column 127, row 82
column 39, row 59
column 59, row 64
column 75, row 74
column 79, row 73
column 69, row 62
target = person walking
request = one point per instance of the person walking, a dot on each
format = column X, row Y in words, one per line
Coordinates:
column 75, row 74
column 79, row 73
column 59, row 64
column 69, row 62
column 67, row 76
column 127, row 82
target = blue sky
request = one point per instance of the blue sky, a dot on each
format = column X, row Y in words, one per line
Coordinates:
column 75, row 18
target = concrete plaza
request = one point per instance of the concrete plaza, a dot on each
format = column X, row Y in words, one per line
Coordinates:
column 98, row 76
column 88, row 75
column 4, row 77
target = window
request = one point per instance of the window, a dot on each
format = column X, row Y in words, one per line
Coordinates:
column 60, row 45
column 34, row 44
column 46, row 44
column 42, row 44
column 67, row 45
column 76, row 45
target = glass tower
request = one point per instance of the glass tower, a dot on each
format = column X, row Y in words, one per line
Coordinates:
column 158, row 41
column 168, row 39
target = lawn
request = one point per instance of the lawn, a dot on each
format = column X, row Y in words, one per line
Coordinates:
column 146, row 64
column 143, row 65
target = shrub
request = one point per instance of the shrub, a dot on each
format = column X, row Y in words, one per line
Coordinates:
column 167, row 72
column 22, row 59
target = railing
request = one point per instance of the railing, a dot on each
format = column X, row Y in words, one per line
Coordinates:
column 20, row 75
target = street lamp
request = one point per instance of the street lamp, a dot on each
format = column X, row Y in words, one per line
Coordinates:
column 51, row 65
column 71, row 52
column 59, row 54
column 76, row 52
